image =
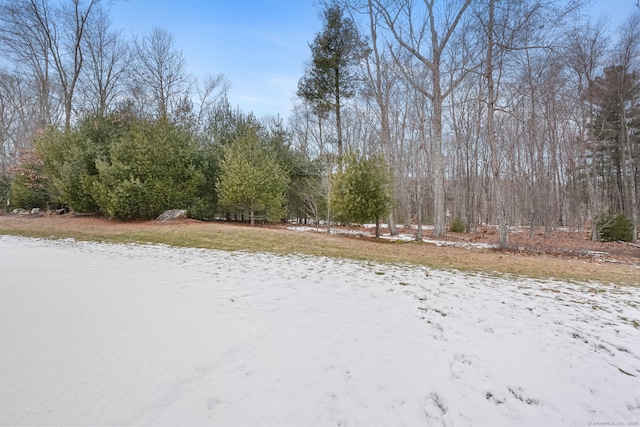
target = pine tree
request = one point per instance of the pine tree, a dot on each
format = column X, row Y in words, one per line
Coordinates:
column 615, row 150
column 331, row 77
column 251, row 179
column 149, row 169
column 361, row 192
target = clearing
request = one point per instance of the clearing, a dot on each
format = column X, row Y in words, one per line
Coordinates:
column 217, row 324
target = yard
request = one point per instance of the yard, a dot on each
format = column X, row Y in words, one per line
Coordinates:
column 138, row 334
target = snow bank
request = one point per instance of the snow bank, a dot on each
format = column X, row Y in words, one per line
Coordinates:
column 96, row 334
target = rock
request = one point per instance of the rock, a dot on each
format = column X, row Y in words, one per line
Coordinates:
column 172, row 215
column 35, row 211
column 18, row 211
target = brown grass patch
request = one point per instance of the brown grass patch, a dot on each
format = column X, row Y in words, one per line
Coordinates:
column 224, row 236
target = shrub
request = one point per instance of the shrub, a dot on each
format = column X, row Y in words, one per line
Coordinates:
column 150, row 168
column 612, row 227
column 23, row 195
column 67, row 157
column 70, row 158
column 457, row 226
column 30, row 186
column 360, row 193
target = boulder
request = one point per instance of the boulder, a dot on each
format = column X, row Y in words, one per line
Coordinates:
column 172, row 215
column 35, row 211
column 18, row 211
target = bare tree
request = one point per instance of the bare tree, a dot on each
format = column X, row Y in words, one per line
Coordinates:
column 381, row 81
column 511, row 32
column 198, row 102
column 498, row 195
column 467, row 115
column 160, row 70
column 413, row 28
column 209, row 92
column 67, row 53
column 25, row 42
column 107, row 58
column 584, row 50
column 8, row 117
column 49, row 37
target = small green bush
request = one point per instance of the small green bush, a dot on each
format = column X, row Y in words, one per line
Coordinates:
column 612, row 227
column 26, row 196
column 457, row 226
column 361, row 193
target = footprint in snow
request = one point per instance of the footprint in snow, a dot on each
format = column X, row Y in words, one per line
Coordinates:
column 458, row 365
column 435, row 408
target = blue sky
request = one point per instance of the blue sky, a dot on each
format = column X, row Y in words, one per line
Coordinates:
column 260, row 45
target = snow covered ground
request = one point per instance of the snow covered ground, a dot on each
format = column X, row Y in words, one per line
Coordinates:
column 101, row 334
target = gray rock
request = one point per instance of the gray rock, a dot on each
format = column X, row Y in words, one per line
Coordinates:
column 172, row 215
column 35, row 211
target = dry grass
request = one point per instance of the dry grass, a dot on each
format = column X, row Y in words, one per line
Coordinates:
column 232, row 237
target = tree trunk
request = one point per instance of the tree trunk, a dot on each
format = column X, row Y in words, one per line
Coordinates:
column 328, row 172
column 382, row 99
column 338, row 118
column 419, row 195
column 630, row 172
column 393, row 229
column 438, row 159
column 498, row 196
column 328, row 197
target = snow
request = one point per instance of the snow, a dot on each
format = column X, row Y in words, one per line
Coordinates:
column 402, row 237
column 323, row 229
column 102, row 334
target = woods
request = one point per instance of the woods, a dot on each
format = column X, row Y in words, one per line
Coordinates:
column 519, row 113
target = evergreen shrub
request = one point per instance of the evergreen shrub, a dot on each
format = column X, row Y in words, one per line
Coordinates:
column 614, row 226
column 457, row 226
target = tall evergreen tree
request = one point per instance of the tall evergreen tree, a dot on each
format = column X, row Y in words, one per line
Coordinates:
column 616, row 126
column 331, row 77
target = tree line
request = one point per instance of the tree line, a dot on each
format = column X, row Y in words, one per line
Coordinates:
column 517, row 113
column 96, row 123
column 485, row 112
